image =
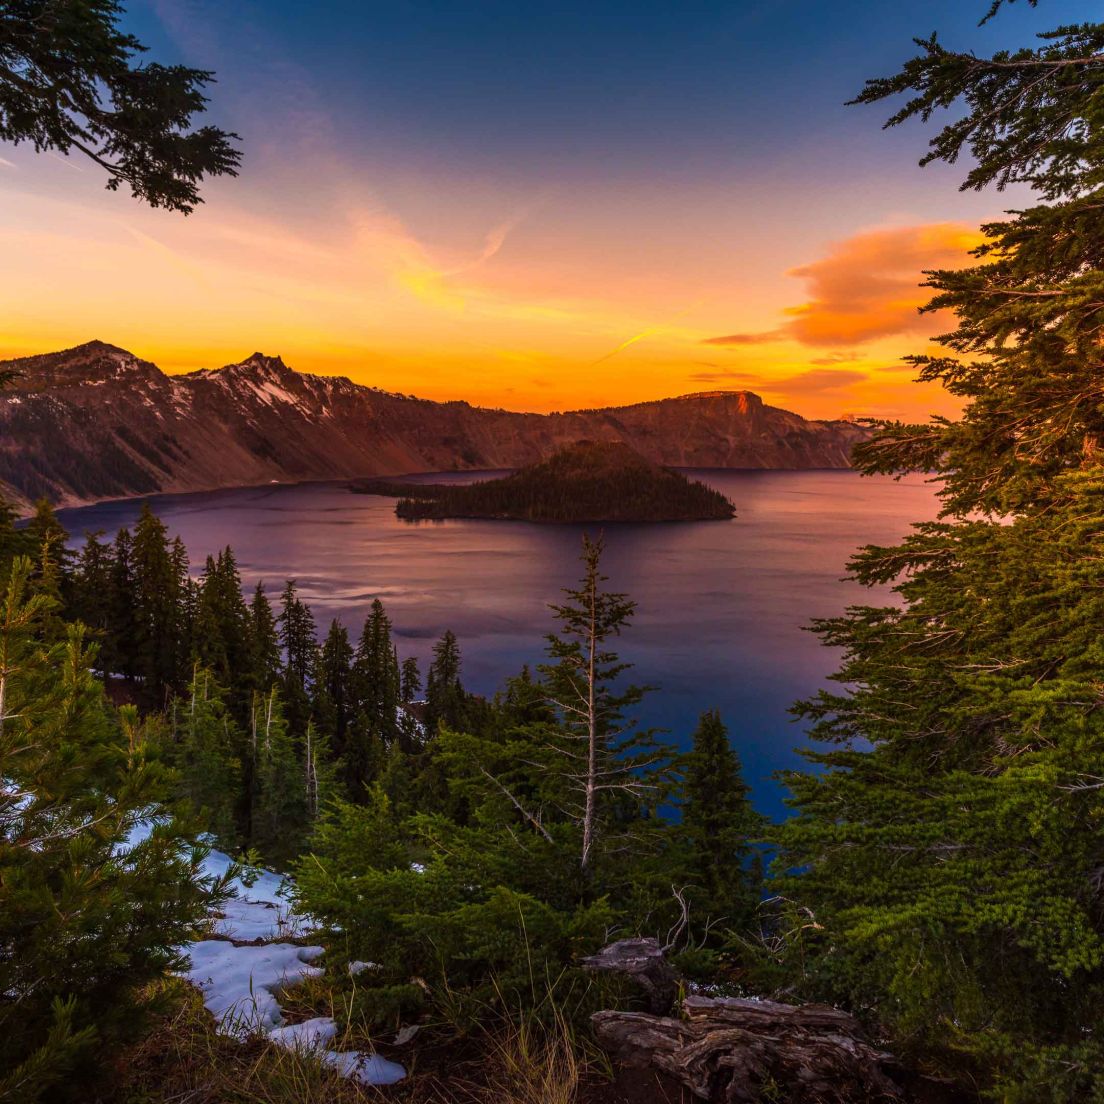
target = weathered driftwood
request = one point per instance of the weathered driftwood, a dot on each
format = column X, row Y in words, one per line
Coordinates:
column 644, row 961
column 743, row 1051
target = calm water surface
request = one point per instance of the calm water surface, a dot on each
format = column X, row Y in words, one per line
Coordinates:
column 722, row 604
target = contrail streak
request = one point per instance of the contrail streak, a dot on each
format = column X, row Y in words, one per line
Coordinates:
column 646, row 333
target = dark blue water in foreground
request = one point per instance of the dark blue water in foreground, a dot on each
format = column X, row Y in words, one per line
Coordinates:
column 722, row 604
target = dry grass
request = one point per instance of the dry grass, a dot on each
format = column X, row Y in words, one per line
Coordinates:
column 185, row 1061
column 536, row 1065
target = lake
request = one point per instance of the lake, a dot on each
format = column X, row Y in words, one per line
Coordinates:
column 722, row 604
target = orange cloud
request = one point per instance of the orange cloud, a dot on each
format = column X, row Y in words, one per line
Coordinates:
column 811, row 381
column 869, row 286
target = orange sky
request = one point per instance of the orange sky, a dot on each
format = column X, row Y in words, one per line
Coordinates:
column 671, row 225
column 495, row 320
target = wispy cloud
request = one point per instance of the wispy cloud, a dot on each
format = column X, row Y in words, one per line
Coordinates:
column 812, row 381
column 435, row 283
column 65, row 161
column 175, row 259
column 764, row 338
column 495, row 240
column 836, row 358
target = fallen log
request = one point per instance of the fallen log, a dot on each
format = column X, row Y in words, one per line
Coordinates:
column 736, row 1051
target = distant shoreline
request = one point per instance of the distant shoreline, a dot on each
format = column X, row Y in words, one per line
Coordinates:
column 26, row 511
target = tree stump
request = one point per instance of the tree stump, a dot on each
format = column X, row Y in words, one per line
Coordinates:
column 736, row 1051
column 643, row 960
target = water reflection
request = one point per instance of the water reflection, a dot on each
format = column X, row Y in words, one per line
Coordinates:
column 722, row 605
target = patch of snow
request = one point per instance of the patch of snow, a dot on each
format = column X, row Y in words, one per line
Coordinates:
column 406, row 1034
column 247, row 921
column 270, row 393
column 312, row 1036
column 252, row 884
column 242, row 969
column 308, row 1034
column 240, row 984
column 369, row 1069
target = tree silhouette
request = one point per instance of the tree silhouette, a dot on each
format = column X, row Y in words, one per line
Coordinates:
column 70, row 80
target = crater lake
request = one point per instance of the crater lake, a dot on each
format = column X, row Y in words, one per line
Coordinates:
column 723, row 606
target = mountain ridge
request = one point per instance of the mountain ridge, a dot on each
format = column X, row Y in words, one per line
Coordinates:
column 97, row 422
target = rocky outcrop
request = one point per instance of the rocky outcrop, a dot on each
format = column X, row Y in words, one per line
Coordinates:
column 96, row 422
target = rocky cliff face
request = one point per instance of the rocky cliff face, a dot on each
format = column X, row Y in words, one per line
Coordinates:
column 96, row 422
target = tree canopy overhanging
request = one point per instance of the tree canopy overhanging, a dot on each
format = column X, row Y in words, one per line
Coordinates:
column 948, row 844
column 71, row 79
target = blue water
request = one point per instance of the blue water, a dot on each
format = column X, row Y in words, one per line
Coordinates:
column 722, row 604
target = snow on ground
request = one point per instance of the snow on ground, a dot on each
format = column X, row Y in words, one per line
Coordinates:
column 249, row 960
column 249, row 921
column 241, row 985
column 243, row 969
column 313, row 1035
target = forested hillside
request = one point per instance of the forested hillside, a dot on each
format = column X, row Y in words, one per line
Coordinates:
column 448, row 838
column 585, row 482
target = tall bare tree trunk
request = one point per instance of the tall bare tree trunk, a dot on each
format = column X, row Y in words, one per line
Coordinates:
column 590, row 811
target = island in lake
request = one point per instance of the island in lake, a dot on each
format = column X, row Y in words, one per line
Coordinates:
column 590, row 481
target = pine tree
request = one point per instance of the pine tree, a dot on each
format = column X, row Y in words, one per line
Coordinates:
column 264, row 642
column 50, row 543
column 334, row 696
column 221, row 629
column 945, row 856
column 89, row 919
column 375, row 689
column 279, row 800
column 122, row 640
column 13, row 542
column 410, row 681
column 186, row 603
column 376, row 675
column 158, row 593
column 92, row 584
column 445, row 695
column 299, row 642
column 523, row 701
column 48, row 580
column 411, row 730
column 135, row 120
column 320, row 773
column 719, row 827
column 614, row 770
column 208, row 749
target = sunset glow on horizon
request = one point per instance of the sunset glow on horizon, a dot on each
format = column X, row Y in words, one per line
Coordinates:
column 553, row 209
